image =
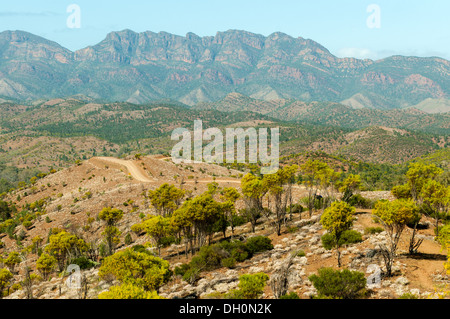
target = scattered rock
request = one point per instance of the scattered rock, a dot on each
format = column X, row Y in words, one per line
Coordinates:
column 402, row 281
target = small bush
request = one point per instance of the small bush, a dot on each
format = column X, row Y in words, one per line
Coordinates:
column 128, row 291
column 402, row 191
column 139, row 249
column 167, row 241
column 191, row 275
column 128, row 239
column 239, row 220
column 237, row 249
column 292, row 229
column 295, row 209
column 181, row 270
column 408, row 295
column 258, row 244
column 339, row 284
column 27, row 224
column 373, row 230
column 209, row 257
column 83, row 262
column 318, row 203
column 291, row 295
column 361, row 202
column 225, row 254
column 249, row 287
column 229, row 262
column 348, row 237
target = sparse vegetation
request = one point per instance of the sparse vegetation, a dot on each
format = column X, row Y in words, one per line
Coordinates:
column 339, row 284
column 209, row 226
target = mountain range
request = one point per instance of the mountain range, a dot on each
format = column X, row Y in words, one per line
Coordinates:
column 141, row 67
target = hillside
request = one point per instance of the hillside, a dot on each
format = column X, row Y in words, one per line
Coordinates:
column 74, row 194
column 334, row 114
column 56, row 133
column 141, row 67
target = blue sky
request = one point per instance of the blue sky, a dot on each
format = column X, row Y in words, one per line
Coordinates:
column 419, row 28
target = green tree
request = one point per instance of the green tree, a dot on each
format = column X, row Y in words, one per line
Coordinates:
column 253, row 190
column 444, row 240
column 348, row 187
column 46, row 264
column 12, row 260
column 229, row 196
column 157, row 227
column 197, row 217
column 394, row 217
column 402, row 191
column 166, row 199
column 435, row 196
column 65, row 246
column 316, row 175
column 279, row 186
column 111, row 216
column 336, row 219
column 6, row 278
column 418, row 174
column 7, row 210
column 112, row 238
column 139, row 268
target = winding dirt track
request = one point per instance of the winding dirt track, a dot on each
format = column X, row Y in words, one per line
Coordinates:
column 132, row 168
column 136, row 172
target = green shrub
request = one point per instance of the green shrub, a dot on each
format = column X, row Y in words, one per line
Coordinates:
column 408, row 295
column 295, row 209
column 27, row 224
column 339, row 284
column 292, row 229
column 402, row 191
column 209, row 257
column 258, row 244
column 181, row 270
column 291, row 295
column 238, row 220
column 128, row 239
column 166, row 241
column 249, row 287
column 83, row 262
column 237, row 249
column 348, row 237
column 138, row 268
column 360, row 202
column 229, row 262
column 318, row 203
column 191, row 275
column 373, row 230
column 224, row 254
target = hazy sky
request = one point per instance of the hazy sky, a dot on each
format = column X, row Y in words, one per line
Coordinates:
column 420, row 28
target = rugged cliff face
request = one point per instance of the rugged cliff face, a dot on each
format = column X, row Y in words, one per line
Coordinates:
column 138, row 67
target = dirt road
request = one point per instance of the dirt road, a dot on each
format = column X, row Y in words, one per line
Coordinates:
column 132, row 168
column 138, row 174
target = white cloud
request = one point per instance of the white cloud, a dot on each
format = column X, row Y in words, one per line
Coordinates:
column 358, row 53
